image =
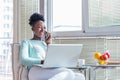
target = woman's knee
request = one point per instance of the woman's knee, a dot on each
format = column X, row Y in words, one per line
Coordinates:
column 79, row 76
column 69, row 71
column 63, row 74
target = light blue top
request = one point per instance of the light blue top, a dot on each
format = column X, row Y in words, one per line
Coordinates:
column 32, row 52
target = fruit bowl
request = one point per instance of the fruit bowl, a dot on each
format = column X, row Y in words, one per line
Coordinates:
column 102, row 58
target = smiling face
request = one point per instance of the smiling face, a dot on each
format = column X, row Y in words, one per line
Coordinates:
column 38, row 29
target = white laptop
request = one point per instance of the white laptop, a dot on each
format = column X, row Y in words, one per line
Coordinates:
column 62, row 55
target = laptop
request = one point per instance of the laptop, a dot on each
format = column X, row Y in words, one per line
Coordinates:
column 62, row 55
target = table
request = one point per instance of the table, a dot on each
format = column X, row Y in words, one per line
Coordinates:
column 95, row 67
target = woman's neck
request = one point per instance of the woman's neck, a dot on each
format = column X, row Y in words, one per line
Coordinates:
column 36, row 38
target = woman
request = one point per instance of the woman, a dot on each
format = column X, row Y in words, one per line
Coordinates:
column 33, row 51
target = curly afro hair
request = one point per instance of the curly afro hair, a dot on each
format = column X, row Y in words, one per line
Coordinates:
column 34, row 18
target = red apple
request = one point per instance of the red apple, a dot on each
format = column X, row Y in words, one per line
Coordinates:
column 104, row 57
column 108, row 54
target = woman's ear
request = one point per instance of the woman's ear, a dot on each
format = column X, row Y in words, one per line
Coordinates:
column 32, row 29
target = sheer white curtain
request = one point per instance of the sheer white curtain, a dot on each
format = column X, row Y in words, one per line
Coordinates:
column 104, row 13
column 6, row 26
column 21, row 30
column 26, row 8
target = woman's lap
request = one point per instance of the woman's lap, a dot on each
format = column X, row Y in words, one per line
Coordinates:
column 37, row 73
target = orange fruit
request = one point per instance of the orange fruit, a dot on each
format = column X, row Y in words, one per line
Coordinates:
column 97, row 55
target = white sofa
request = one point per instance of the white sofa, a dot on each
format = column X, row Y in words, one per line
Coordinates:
column 19, row 72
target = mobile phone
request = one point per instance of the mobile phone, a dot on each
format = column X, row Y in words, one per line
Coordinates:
column 46, row 35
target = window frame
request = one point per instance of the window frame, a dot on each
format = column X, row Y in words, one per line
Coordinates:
column 86, row 30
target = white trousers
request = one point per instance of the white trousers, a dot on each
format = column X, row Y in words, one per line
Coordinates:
column 37, row 73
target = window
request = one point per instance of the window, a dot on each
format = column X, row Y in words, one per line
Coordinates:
column 6, row 34
column 104, row 15
column 5, row 1
column 6, row 9
column 67, row 15
column 84, row 17
column 6, row 26
column 6, row 38
column 6, row 17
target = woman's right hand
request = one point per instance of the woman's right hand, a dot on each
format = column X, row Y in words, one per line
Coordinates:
column 48, row 37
